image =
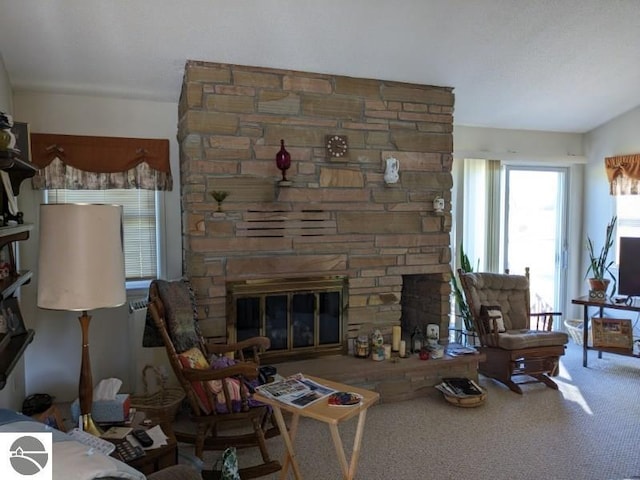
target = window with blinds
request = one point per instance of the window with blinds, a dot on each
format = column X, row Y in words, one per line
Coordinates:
column 139, row 224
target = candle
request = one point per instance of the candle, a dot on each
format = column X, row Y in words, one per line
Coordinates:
column 403, row 348
column 387, row 351
column 397, row 332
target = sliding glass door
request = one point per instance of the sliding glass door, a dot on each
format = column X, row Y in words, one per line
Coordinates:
column 535, row 231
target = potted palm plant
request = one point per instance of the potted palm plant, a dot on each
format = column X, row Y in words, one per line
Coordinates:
column 600, row 265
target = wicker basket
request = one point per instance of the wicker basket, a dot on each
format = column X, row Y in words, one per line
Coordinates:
column 467, row 402
column 162, row 405
column 575, row 331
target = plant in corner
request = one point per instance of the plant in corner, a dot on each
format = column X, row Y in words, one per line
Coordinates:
column 600, row 265
column 461, row 301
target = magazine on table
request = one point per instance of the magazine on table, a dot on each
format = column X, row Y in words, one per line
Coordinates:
column 296, row 390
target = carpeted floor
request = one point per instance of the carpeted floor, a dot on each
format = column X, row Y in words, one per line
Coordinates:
column 589, row 429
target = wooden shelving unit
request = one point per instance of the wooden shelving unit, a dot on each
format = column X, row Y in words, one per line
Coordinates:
column 14, row 342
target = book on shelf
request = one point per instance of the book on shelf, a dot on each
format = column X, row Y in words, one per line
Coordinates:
column 296, row 390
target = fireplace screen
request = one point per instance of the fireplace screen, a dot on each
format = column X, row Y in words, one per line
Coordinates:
column 300, row 317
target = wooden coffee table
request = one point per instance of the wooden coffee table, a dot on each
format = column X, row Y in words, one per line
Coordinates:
column 332, row 416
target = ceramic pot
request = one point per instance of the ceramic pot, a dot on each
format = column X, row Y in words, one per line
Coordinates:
column 598, row 289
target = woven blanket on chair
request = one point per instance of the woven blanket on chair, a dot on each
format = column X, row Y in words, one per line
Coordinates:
column 180, row 314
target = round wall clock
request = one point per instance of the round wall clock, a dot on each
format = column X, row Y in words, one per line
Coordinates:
column 337, row 146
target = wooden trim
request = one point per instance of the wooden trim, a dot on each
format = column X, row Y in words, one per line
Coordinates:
column 100, row 154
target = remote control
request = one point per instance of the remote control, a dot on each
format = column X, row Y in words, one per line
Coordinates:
column 143, row 437
column 128, row 452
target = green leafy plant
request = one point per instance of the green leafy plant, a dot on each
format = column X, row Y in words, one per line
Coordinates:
column 599, row 264
column 219, row 196
column 461, row 301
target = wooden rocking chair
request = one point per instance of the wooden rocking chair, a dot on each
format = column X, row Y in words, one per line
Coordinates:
column 217, row 387
column 515, row 341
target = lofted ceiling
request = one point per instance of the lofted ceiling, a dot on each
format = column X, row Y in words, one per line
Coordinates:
column 553, row 65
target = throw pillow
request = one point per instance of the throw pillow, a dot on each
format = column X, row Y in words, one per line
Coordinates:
column 234, row 385
column 488, row 314
column 194, row 358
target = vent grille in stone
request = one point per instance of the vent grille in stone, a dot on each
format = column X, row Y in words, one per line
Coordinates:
column 305, row 223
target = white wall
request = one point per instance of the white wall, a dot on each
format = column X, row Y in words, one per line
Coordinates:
column 518, row 145
column 53, row 360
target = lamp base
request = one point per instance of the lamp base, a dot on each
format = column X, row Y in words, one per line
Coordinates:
column 89, row 426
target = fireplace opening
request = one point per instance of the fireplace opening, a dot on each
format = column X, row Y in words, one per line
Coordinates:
column 425, row 300
column 303, row 317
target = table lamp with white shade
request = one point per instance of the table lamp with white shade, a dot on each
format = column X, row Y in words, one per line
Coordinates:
column 81, row 268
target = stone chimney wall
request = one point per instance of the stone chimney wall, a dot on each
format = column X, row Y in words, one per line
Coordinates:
column 338, row 217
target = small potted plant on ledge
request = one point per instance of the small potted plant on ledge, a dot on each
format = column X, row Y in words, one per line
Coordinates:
column 600, row 266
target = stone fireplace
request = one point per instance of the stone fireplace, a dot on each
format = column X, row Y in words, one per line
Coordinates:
column 337, row 217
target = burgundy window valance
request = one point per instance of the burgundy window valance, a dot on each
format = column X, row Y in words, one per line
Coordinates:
column 623, row 172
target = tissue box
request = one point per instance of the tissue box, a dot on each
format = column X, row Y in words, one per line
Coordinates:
column 106, row 411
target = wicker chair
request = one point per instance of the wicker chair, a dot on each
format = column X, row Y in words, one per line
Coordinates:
column 515, row 341
column 218, row 389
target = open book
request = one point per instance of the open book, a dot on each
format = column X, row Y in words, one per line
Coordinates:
column 296, row 390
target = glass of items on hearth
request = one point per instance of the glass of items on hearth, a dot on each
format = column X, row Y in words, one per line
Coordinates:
column 417, row 342
column 362, row 346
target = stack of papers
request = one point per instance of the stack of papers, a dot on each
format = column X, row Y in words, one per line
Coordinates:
column 296, row 390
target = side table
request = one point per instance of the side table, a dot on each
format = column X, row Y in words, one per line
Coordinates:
column 332, row 416
column 157, row 458
column 154, row 460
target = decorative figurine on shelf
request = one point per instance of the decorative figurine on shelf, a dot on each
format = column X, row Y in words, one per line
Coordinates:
column 438, row 205
column 433, row 334
column 283, row 161
column 219, row 196
column 377, row 345
column 391, row 171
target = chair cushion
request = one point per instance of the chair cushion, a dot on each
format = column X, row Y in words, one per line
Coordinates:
column 233, row 385
column 511, row 292
column 194, row 358
column 488, row 314
column 518, row 339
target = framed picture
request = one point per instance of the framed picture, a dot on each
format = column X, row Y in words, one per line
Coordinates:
column 12, row 316
column 612, row 332
column 23, row 140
